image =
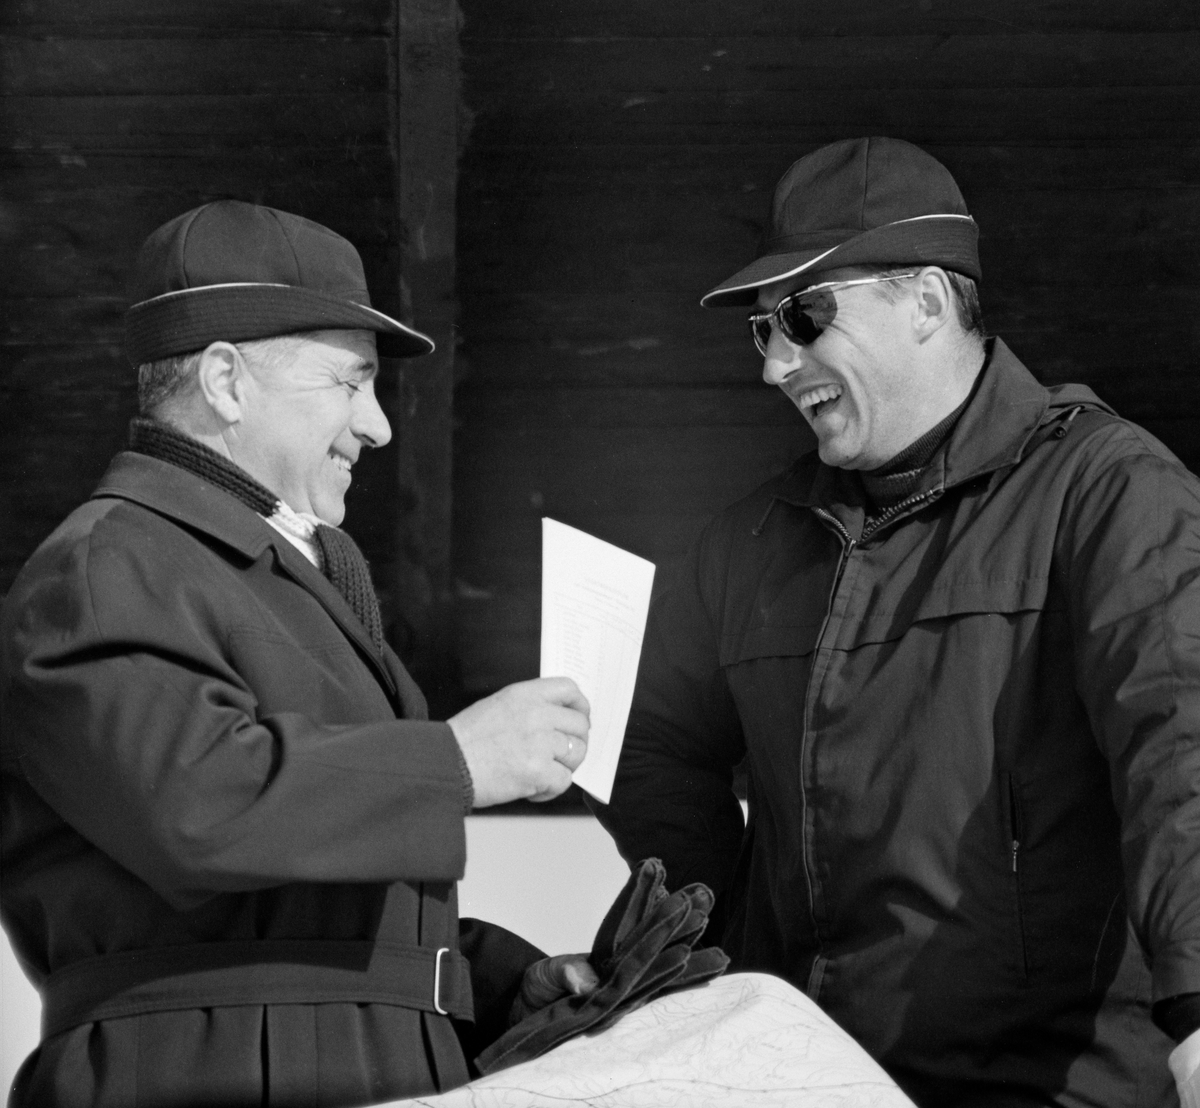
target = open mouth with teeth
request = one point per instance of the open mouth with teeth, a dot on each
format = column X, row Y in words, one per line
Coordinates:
column 342, row 462
column 817, row 401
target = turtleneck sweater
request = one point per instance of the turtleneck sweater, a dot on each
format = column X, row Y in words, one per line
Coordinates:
column 894, row 480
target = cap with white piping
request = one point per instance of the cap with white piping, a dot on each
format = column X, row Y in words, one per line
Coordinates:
column 866, row 201
column 231, row 271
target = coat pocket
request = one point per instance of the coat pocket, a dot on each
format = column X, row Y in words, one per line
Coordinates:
column 1014, row 825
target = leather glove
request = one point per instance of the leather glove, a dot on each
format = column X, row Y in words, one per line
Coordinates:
column 642, row 950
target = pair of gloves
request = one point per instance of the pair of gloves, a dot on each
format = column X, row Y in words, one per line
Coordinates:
column 644, row 948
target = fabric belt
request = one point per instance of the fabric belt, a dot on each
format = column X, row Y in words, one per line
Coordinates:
column 261, row 971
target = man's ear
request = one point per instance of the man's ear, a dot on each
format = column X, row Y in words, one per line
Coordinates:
column 221, row 378
column 935, row 302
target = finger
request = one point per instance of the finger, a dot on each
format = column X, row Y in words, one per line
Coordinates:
column 566, row 720
column 556, row 782
column 571, row 752
column 564, row 691
column 550, row 718
column 579, row 977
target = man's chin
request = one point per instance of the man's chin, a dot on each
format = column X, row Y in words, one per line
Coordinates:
column 331, row 513
column 834, row 453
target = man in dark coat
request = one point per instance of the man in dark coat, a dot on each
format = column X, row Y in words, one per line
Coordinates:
column 231, row 834
column 955, row 647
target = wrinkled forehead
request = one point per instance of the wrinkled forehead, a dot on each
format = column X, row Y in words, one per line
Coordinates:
column 354, row 349
column 337, row 352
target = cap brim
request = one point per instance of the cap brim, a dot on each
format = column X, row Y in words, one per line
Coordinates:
column 742, row 288
column 190, row 319
column 950, row 241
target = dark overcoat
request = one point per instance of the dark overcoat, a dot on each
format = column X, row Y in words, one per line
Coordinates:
column 230, row 834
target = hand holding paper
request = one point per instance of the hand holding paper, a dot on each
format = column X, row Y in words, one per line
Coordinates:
column 522, row 742
column 595, row 598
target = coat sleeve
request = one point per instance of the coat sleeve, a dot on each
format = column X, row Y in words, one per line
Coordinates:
column 673, row 797
column 124, row 711
column 1130, row 542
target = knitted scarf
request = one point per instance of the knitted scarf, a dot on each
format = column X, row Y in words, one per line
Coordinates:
column 341, row 560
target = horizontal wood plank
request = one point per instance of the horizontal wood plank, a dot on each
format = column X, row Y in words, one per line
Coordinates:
column 928, row 117
column 50, row 178
column 35, row 329
column 537, row 72
column 703, row 175
column 34, row 18
column 644, row 236
column 317, row 64
column 552, row 20
column 199, row 124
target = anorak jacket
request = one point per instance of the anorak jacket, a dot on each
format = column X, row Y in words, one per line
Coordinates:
column 972, row 740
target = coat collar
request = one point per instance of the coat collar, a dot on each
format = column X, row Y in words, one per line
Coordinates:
column 1008, row 407
column 182, row 496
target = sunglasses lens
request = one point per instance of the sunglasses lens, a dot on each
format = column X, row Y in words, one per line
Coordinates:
column 802, row 317
column 760, row 328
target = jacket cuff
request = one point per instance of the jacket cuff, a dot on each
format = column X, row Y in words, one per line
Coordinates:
column 468, row 785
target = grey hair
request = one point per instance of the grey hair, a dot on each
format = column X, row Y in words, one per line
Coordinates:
column 166, row 380
column 170, row 379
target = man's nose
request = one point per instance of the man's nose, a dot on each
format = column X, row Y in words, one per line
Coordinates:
column 782, row 358
column 368, row 422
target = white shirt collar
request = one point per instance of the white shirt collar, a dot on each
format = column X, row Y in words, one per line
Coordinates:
column 299, row 528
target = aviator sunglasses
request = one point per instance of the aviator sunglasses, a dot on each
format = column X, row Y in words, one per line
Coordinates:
column 803, row 315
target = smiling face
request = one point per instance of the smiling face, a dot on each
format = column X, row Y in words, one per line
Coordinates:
column 856, row 384
column 309, row 408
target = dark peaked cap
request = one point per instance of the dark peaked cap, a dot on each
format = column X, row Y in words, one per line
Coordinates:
column 865, row 201
column 231, row 271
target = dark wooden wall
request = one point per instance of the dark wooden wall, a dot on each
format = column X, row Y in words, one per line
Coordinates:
column 617, row 160
column 120, row 114
column 620, row 161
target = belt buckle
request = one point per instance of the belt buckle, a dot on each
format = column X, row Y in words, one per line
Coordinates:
column 437, row 981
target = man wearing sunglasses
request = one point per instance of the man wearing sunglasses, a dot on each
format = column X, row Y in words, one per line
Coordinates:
column 954, row 648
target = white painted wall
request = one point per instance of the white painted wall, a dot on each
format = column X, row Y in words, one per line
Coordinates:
column 548, row 878
column 20, row 1011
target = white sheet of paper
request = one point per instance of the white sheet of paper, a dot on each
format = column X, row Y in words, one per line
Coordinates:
column 595, row 597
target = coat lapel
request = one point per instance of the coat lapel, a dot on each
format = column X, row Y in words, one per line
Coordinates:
column 308, row 577
column 190, row 500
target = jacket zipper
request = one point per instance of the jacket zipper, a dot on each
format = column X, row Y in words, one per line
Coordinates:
column 848, row 546
column 892, row 512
